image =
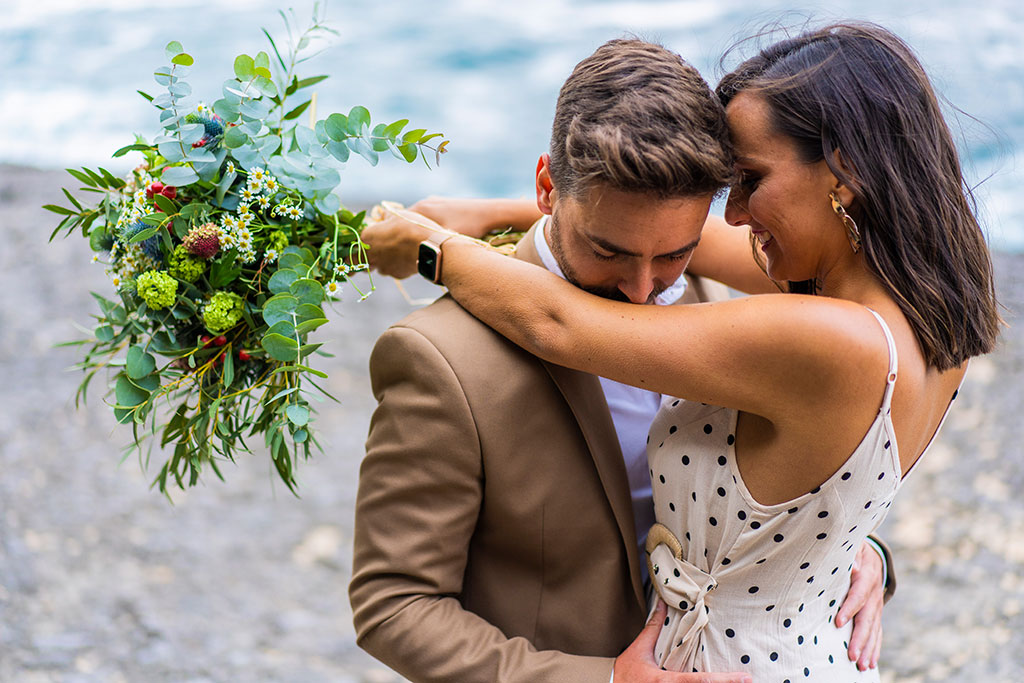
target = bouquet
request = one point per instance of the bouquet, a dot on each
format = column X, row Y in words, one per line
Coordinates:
column 222, row 247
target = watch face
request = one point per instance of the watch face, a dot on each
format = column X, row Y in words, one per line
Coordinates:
column 427, row 261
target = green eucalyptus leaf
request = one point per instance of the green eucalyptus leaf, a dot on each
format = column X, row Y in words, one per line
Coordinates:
column 379, row 142
column 289, row 260
column 280, row 347
column 283, row 328
column 166, row 205
column 358, row 118
column 304, row 312
column 308, row 326
column 300, row 435
column 297, row 111
column 104, row 333
column 262, row 61
column 282, row 280
column 179, row 176
column 127, row 393
column 307, row 291
column 148, row 383
column 183, row 60
column 235, row 138
column 414, row 135
column 339, row 150
column 312, row 80
column 172, row 151
column 336, row 126
column 245, row 68
column 139, row 363
column 298, row 415
column 180, row 89
column 173, row 48
column 279, row 307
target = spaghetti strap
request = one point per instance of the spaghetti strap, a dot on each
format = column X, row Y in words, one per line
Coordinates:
column 890, row 382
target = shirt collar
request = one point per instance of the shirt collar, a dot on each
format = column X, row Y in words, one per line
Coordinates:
column 671, row 294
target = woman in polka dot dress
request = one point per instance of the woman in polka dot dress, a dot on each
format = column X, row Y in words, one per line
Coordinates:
column 795, row 434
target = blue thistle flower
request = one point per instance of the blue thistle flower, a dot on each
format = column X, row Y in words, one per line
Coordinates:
column 151, row 246
column 213, row 127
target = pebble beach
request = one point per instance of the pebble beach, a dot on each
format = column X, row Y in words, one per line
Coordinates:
column 103, row 579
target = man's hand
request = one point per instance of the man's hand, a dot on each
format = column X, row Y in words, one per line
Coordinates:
column 863, row 604
column 637, row 663
column 395, row 241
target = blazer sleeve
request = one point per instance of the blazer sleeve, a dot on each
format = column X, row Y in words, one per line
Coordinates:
column 418, row 502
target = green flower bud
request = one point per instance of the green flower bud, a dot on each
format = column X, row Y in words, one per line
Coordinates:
column 184, row 266
column 277, row 241
column 157, row 289
column 222, row 311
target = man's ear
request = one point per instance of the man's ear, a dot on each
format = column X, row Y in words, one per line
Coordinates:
column 546, row 193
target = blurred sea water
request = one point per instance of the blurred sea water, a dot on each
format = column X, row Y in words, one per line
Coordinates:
column 485, row 73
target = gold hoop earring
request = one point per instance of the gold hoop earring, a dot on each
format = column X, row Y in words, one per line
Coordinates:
column 852, row 232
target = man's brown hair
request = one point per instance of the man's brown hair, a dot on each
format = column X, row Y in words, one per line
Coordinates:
column 636, row 117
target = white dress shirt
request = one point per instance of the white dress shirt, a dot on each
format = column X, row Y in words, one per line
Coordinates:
column 632, row 409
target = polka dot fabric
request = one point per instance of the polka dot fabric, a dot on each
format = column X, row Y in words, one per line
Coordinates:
column 757, row 587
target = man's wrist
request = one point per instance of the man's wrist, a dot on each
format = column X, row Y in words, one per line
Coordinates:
column 881, row 554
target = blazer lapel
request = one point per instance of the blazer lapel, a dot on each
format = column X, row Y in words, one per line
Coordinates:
column 585, row 397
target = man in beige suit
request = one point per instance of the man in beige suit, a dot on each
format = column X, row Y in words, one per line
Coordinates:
column 503, row 499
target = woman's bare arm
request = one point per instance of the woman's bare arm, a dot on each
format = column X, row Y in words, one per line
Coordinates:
column 765, row 354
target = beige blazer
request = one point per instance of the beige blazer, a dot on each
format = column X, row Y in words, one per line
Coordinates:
column 494, row 536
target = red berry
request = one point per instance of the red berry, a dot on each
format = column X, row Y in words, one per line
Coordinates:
column 155, row 188
column 243, row 355
column 169, row 191
column 220, row 340
column 206, row 340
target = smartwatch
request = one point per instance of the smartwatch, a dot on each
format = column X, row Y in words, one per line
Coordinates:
column 429, row 261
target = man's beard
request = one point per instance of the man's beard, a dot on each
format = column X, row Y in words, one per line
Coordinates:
column 613, row 293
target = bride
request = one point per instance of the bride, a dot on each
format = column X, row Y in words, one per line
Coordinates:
column 805, row 409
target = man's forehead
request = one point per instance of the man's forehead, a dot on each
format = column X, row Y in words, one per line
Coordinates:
column 635, row 222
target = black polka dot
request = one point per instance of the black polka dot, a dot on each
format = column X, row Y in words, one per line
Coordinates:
column 686, row 460
column 661, row 477
column 707, row 429
column 822, row 536
column 787, row 623
column 745, row 659
column 721, row 492
column 852, row 529
column 729, row 633
column 810, row 579
column 834, row 571
column 846, row 475
column 820, row 593
column 666, row 621
column 687, row 535
column 955, row 393
column 712, row 521
column 807, row 672
column 722, row 460
column 774, row 656
column 742, row 515
column 755, row 525
column 725, row 561
column 731, row 440
column 831, row 660
column 648, row 438
column 800, row 640
column 672, row 429
column 887, row 444
column 867, row 505
column 683, row 605
column 832, row 603
column 823, row 514
column 805, row 565
column 881, row 476
column 672, row 507
column 792, row 510
column 675, row 403
column 762, row 560
column 693, row 494
column 676, row 572
column 769, row 608
column 753, row 589
column 661, row 444
column 816, row 489
column 801, row 608
column 778, row 538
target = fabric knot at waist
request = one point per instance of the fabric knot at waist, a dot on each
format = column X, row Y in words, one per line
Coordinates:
column 683, row 587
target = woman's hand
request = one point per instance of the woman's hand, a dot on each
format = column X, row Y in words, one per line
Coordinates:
column 394, row 241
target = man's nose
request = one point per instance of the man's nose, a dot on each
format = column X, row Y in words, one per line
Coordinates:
column 640, row 284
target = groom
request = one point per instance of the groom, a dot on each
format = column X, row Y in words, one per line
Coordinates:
column 503, row 499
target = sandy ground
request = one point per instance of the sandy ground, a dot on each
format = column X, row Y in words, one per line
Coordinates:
column 102, row 580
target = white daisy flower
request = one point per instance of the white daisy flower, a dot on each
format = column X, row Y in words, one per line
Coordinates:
column 230, row 168
column 332, row 288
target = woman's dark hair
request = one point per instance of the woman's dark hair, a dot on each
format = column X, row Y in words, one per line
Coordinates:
column 855, row 95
